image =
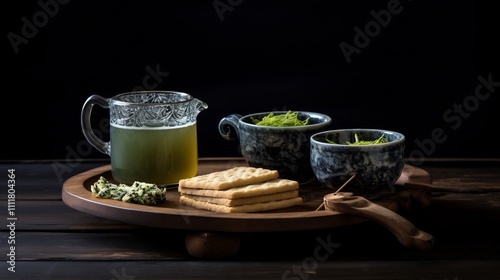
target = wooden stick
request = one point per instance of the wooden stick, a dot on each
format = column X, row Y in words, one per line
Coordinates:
column 341, row 187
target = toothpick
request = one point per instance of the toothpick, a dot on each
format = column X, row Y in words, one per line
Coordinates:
column 341, row 187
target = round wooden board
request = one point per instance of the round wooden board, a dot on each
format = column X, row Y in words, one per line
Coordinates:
column 170, row 214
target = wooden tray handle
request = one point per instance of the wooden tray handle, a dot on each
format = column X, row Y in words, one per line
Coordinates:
column 405, row 231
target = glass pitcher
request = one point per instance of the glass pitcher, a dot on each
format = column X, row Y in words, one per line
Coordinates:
column 153, row 135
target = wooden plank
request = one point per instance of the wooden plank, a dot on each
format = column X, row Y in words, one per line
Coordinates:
column 144, row 244
column 296, row 269
column 55, row 215
column 465, row 179
column 43, row 180
column 369, row 241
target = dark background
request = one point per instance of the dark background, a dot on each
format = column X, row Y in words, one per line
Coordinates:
column 254, row 56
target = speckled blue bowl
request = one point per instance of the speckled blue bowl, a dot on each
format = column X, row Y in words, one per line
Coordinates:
column 286, row 149
column 377, row 167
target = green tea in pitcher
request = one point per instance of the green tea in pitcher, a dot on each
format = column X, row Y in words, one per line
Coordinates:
column 160, row 155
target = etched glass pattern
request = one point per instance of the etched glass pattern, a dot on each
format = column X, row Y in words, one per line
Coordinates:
column 154, row 109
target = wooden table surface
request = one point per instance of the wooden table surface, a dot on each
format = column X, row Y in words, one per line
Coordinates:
column 44, row 238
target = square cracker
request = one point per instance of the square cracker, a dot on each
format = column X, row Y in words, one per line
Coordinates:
column 230, row 178
column 248, row 208
column 263, row 188
column 245, row 200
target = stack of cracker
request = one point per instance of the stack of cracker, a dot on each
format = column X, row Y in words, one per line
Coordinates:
column 239, row 190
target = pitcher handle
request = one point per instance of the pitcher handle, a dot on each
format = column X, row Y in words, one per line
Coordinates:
column 228, row 127
column 96, row 142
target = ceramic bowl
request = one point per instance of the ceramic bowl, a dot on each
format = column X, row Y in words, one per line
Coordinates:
column 376, row 167
column 285, row 149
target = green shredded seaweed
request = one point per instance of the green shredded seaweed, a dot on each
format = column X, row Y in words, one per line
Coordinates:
column 379, row 140
column 138, row 192
column 288, row 119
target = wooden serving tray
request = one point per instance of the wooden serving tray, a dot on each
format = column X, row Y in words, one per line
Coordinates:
column 170, row 214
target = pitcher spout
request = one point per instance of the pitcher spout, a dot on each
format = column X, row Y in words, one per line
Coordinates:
column 199, row 105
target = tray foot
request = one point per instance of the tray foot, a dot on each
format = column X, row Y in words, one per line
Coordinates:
column 212, row 245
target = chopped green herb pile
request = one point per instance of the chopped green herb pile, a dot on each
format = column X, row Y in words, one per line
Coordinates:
column 379, row 140
column 138, row 192
column 288, row 119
